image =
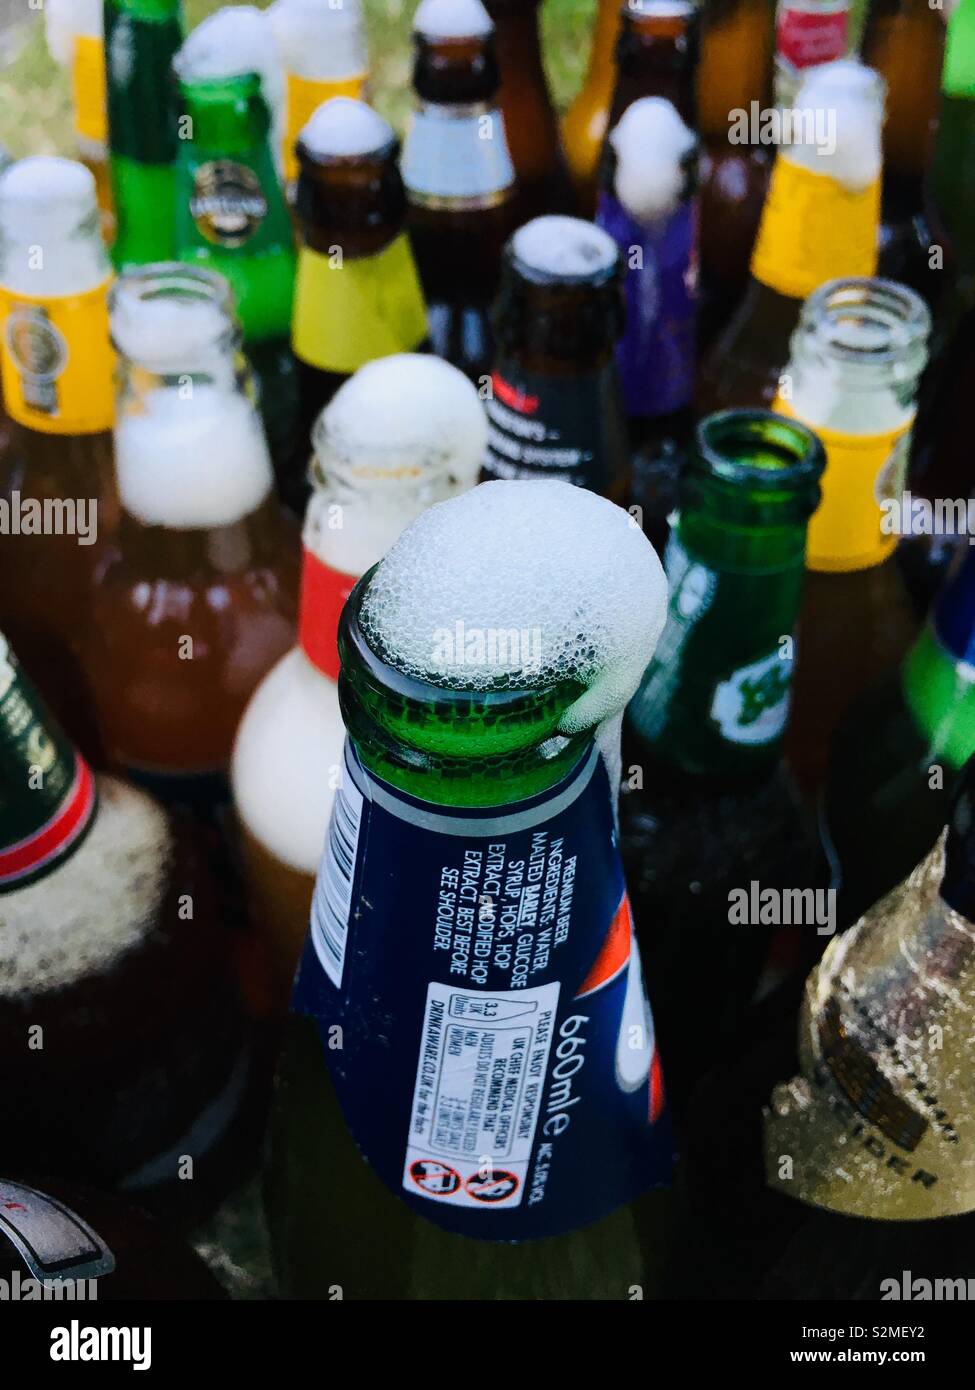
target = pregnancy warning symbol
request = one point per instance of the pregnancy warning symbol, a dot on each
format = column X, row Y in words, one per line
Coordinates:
column 435, row 1178
column 496, row 1185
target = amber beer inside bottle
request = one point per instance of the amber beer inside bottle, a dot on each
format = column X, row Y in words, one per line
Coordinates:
column 530, row 120
column 734, row 70
column 56, row 477
column 351, row 209
column 656, row 55
column 460, row 185
column 199, row 601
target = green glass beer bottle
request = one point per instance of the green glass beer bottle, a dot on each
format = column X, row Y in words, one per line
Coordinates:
column 471, row 1033
column 231, row 216
column 141, row 38
column 896, row 757
column 707, row 805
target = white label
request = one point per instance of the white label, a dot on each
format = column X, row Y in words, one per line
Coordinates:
column 752, row 705
column 332, row 904
column 480, row 1082
column 451, row 154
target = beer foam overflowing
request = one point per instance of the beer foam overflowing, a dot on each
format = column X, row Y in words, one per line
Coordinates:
column 66, row 20
column 99, row 904
column 192, row 458
column 651, row 142
column 452, row 19
column 565, row 248
column 537, row 557
column 850, row 96
column 342, row 128
column 168, row 332
column 237, row 39
column 320, row 40
column 403, row 433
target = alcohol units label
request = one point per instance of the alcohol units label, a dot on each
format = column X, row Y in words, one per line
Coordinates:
column 568, row 429
column 497, row 1063
column 478, row 1095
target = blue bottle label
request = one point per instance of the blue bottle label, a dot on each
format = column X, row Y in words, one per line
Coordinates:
column 657, row 352
column 476, row 983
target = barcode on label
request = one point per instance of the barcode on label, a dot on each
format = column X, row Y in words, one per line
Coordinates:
column 332, row 904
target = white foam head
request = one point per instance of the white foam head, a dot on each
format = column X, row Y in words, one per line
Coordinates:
column 566, row 248
column 237, row 39
column 845, row 99
column 452, row 19
column 320, row 39
column 189, row 453
column 539, row 557
column 192, row 462
column 49, row 202
column 403, row 433
column 187, row 325
column 650, row 142
column 100, row 904
column 343, row 128
column 66, row 20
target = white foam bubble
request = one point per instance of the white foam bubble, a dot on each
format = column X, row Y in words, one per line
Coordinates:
column 650, row 142
column 67, row 20
column 192, row 461
column 237, row 39
column 45, row 202
column 168, row 333
column 322, row 40
column 528, row 556
column 563, row 247
column 402, row 434
column 100, row 903
column 288, row 748
column 452, row 19
column 343, row 127
column 849, row 97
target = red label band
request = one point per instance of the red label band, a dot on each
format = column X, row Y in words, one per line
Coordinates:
column 323, row 595
column 52, row 840
column 804, row 38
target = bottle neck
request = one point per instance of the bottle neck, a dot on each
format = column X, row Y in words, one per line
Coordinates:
column 904, row 42
column 449, row 746
column 939, row 672
column 736, row 59
column 358, row 206
column 657, row 57
column 141, row 39
column 715, row 699
column 49, row 796
column 807, row 34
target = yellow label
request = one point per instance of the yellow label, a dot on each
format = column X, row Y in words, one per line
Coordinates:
column 350, row 311
column 305, row 96
column 57, row 362
column 862, row 471
column 90, row 121
column 813, row 230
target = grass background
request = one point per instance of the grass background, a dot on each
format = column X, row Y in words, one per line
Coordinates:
column 35, row 108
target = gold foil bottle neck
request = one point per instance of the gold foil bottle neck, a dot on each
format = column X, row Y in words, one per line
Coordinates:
column 881, row 1121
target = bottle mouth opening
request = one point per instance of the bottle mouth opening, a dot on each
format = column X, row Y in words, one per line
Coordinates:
column 757, row 448
column 556, row 251
column 167, row 315
column 865, row 321
column 379, row 669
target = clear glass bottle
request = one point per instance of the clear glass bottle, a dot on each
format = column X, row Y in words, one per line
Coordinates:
column 856, row 358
